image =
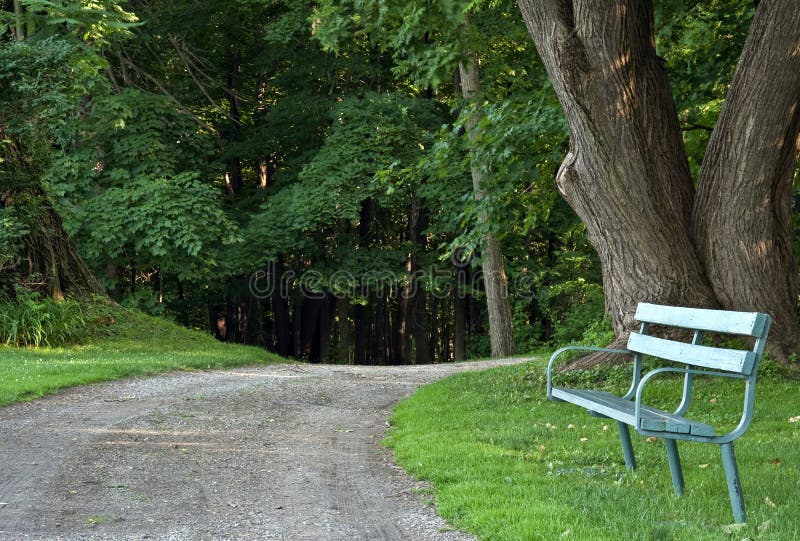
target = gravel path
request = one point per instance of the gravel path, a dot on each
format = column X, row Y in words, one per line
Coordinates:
column 283, row 452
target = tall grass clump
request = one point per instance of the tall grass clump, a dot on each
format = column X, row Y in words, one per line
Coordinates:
column 29, row 319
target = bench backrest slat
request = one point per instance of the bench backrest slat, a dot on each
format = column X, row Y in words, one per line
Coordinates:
column 730, row 360
column 744, row 323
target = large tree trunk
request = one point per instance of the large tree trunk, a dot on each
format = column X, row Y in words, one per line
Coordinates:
column 743, row 209
column 49, row 259
column 52, row 254
column 626, row 173
column 494, row 275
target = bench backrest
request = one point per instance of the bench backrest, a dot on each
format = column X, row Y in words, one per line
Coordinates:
column 701, row 320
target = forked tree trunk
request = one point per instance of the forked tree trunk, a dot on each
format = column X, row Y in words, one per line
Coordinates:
column 743, row 209
column 501, row 333
column 626, row 174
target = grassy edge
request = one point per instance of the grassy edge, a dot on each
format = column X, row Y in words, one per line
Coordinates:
column 119, row 343
column 506, row 464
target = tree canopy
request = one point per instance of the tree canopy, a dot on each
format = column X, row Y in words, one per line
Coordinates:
column 317, row 177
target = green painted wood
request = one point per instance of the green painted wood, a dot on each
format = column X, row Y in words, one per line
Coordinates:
column 734, row 485
column 675, row 470
column 616, row 408
column 696, row 359
column 724, row 321
column 627, row 447
column 730, row 360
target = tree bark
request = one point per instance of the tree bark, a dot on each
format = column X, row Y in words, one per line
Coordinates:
column 494, row 276
column 417, row 313
column 19, row 22
column 280, row 309
column 742, row 214
column 51, row 255
column 343, row 346
column 459, row 324
column 233, row 176
column 626, row 173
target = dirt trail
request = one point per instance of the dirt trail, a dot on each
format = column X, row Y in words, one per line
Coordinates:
column 285, row 452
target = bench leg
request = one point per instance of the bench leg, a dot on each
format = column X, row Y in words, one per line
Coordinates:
column 734, row 487
column 675, row 466
column 627, row 448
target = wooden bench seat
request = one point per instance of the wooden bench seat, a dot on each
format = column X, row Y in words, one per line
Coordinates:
column 689, row 359
column 602, row 403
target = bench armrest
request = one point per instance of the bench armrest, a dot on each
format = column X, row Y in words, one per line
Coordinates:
column 558, row 352
column 748, row 406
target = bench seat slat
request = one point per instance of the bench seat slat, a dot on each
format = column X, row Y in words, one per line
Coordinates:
column 731, row 360
column 619, row 409
column 724, row 321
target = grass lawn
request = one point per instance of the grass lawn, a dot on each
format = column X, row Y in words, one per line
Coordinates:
column 126, row 344
column 508, row 465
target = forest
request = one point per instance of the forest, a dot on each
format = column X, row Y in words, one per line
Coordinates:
column 405, row 182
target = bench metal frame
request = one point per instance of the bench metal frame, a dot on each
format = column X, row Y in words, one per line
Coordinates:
column 693, row 359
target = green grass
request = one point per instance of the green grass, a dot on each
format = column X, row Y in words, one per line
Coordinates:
column 508, row 465
column 121, row 343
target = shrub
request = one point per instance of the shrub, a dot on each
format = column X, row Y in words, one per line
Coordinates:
column 583, row 320
column 30, row 320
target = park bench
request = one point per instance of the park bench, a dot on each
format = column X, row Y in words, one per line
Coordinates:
column 691, row 360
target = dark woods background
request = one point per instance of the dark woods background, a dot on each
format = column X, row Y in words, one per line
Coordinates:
column 323, row 182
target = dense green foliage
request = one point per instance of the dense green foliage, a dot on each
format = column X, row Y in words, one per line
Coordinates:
column 506, row 464
column 296, row 174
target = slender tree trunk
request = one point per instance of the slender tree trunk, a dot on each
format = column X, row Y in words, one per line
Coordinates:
column 280, row 310
column 360, row 334
column 459, row 325
column 310, row 329
column 325, row 327
column 297, row 326
column 19, row 22
column 626, row 173
column 382, row 331
column 343, row 349
column 233, row 178
column 743, row 211
column 397, row 321
column 494, row 276
column 417, row 310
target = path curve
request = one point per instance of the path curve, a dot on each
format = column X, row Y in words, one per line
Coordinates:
column 281, row 452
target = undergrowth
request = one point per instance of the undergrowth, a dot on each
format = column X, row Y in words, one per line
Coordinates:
column 31, row 320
